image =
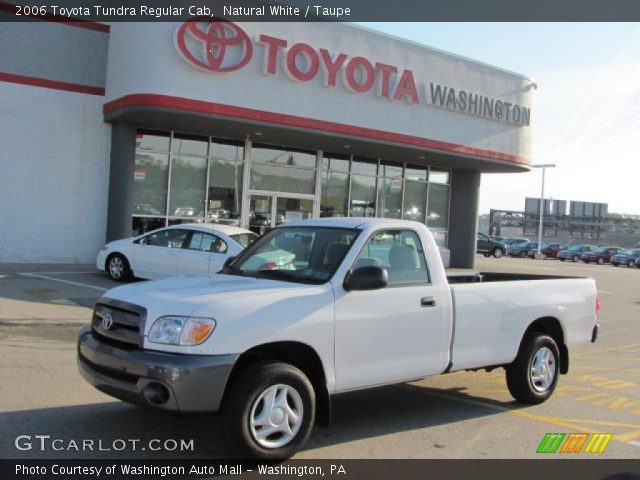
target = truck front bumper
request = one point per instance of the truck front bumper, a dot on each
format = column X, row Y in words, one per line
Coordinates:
column 180, row 383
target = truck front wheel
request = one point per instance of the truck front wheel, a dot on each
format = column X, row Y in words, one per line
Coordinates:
column 269, row 411
column 533, row 376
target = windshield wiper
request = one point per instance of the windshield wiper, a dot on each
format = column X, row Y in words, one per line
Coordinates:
column 284, row 275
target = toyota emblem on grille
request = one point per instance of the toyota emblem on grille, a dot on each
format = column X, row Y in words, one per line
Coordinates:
column 107, row 321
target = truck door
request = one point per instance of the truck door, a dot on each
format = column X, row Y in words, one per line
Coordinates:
column 397, row 333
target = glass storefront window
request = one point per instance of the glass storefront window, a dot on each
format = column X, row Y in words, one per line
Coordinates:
column 390, row 201
column 142, row 225
column 227, row 151
column 416, row 173
column 335, row 164
column 189, row 145
column 277, row 178
column 364, row 167
column 415, row 194
column 149, row 140
column 225, row 191
column 334, row 193
column 283, row 157
column 188, row 181
column 438, row 176
column 150, row 183
column 363, row 196
column 438, row 207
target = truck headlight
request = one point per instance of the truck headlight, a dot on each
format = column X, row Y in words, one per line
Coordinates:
column 175, row 330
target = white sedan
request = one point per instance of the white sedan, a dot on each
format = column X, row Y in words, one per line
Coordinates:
column 186, row 249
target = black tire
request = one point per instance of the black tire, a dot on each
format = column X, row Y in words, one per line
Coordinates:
column 519, row 376
column 497, row 253
column 561, row 259
column 486, row 254
column 630, row 264
column 244, row 394
column 600, row 260
column 117, row 267
column 586, row 261
column 523, row 255
column 576, row 258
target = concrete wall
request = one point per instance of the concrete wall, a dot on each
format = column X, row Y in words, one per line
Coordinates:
column 54, row 145
column 54, row 161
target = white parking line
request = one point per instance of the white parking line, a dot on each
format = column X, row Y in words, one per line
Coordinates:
column 605, row 292
column 77, row 284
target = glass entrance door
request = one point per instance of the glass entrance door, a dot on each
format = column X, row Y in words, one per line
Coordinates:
column 266, row 211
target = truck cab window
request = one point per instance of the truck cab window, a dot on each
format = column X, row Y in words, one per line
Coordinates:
column 399, row 252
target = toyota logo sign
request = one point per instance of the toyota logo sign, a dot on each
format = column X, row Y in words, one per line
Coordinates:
column 213, row 46
column 107, row 321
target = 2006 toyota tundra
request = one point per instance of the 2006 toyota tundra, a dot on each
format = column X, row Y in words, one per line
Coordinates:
column 319, row 307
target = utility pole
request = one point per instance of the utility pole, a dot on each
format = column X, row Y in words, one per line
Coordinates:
column 544, row 169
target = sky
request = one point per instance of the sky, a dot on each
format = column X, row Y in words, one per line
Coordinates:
column 585, row 112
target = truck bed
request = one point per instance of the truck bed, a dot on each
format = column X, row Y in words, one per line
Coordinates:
column 486, row 277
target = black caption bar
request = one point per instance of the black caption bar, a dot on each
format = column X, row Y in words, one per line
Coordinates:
column 329, row 469
column 324, row 10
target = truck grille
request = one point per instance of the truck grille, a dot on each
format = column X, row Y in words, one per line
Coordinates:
column 118, row 324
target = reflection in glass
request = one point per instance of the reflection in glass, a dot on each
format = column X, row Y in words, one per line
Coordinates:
column 227, row 151
column 189, row 145
column 438, row 207
column 335, row 191
column 365, row 167
column 278, row 178
column 149, row 140
column 363, row 196
column 416, row 173
column 225, row 191
column 290, row 209
column 438, row 176
column 259, row 213
column 415, row 194
column 188, row 181
column 283, row 157
column 142, row 225
column 336, row 164
column 150, row 183
column 390, row 201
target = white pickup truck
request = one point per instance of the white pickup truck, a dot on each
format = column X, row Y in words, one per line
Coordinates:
column 348, row 304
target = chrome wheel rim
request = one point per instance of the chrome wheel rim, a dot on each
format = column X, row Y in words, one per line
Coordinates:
column 543, row 369
column 276, row 416
column 116, row 267
column 498, row 254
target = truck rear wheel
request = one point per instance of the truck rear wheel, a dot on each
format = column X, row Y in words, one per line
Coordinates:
column 533, row 376
column 269, row 411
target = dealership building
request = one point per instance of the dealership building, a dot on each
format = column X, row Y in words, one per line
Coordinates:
column 112, row 130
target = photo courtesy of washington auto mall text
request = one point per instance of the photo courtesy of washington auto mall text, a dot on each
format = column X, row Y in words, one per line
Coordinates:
column 350, row 239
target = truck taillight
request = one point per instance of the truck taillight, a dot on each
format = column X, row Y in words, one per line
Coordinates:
column 598, row 302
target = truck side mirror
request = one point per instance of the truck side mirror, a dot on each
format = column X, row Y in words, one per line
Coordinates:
column 366, row 278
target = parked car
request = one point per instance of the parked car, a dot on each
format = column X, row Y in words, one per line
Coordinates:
column 489, row 247
column 638, row 262
column 600, row 255
column 549, row 250
column 627, row 258
column 185, row 249
column 574, row 252
column 521, row 249
column 514, row 241
column 268, row 348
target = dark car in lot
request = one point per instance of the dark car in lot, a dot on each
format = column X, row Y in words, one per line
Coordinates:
column 522, row 249
column 574, row 252
column 549, row 250
column 601, row 255
column 627, row 258
column 488, row 247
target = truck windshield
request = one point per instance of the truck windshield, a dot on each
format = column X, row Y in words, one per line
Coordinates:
column 295, row 254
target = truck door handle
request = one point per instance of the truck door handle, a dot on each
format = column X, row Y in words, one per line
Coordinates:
column 428, row 302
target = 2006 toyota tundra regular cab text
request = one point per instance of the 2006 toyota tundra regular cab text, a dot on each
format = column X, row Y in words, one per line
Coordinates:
column 319, row 307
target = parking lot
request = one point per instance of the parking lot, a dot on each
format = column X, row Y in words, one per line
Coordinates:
column 460, row 415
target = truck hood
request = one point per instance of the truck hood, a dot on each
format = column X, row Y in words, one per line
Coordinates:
column 187, row 294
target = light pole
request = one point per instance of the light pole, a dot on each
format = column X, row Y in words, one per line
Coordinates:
column 544, row 169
